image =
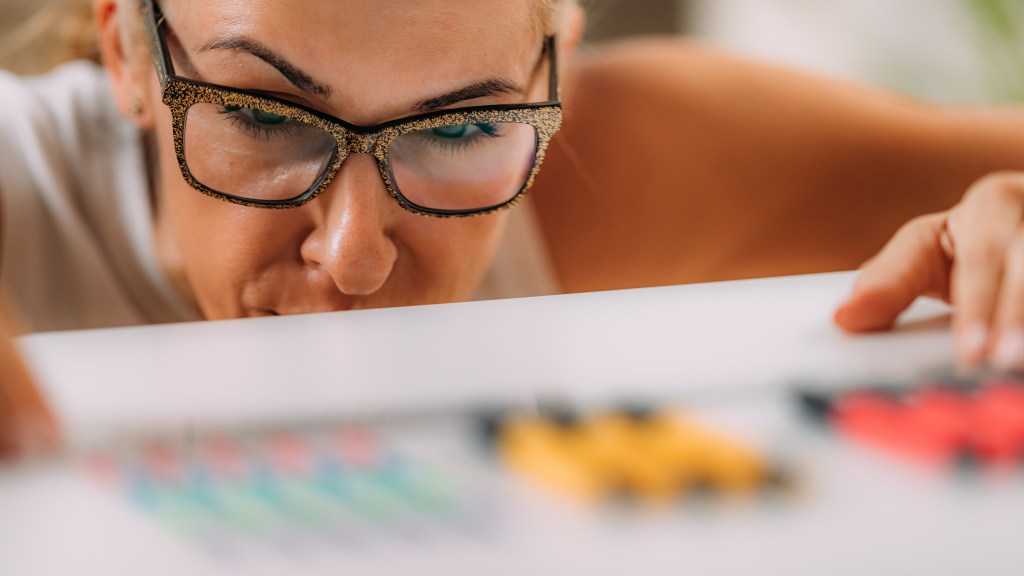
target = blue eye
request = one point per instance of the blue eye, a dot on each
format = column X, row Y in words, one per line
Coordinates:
column 451, row 131
column 268, row 118
column 463, row 130
column 259, row 115
column 259, row 124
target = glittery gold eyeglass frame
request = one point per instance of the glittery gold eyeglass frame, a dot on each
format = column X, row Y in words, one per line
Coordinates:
column 180, row 94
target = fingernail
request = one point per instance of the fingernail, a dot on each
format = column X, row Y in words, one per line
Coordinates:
column 852, row 319
column 973, row 342
column 841, row 315
column 1009, row 352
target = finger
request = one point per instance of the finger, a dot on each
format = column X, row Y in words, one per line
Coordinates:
column 26, row 424
column 982, row 228
column 1008, row 352
column 912, row 264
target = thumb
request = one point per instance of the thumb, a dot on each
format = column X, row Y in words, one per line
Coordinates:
column 914, row 263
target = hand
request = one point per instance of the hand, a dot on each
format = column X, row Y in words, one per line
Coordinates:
column 26, row 424
column 971, row 257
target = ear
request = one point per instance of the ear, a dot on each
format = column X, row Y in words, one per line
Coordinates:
column 573, row 26
column 127, row 62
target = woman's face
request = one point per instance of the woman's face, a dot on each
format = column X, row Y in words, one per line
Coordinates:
column 366, row 61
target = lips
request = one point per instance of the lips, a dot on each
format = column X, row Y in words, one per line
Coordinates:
column 259, row 312
column 257, row 301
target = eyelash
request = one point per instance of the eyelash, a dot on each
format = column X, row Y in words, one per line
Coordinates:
column 256, row 129
column 259, row 131
column 487, row 131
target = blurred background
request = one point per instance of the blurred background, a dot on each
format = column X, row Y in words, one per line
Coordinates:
column 940, row 50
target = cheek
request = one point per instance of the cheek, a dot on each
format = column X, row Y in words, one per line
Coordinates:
column 450, row 257
column 218, row 247
column 226, row 248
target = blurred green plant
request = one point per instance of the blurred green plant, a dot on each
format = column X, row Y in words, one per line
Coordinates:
column 1000, row 27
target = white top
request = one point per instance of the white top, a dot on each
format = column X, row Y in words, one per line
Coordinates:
column 78, row 247
column 77, row 243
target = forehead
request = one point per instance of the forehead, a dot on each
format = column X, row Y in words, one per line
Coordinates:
column 365, row 21
column 384, row 49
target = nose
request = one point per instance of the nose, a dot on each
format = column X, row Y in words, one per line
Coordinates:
column 351, row 241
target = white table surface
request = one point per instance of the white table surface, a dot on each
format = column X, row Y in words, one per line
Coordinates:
column 743, row 342
column 637, row 344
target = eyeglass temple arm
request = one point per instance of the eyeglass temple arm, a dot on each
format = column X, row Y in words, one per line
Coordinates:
column 551, row 45
column 152, row 20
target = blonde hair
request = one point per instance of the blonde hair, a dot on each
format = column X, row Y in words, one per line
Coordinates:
column 551, row 14
column 56, row 33
column 64, row 31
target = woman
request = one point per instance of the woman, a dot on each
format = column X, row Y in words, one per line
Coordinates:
column 267, row 196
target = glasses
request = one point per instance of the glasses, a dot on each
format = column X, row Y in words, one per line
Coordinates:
column 254, row 150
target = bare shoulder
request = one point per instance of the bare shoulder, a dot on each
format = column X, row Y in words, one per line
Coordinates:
column 679, row 81
column 679, row 163
column 2, row 216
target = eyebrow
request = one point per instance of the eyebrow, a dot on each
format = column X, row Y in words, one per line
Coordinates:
column 306, row 83
column 483, row 89
column 297, row 77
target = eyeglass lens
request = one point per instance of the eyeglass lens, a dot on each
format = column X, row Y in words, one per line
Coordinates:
column 257, row 155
